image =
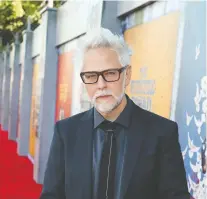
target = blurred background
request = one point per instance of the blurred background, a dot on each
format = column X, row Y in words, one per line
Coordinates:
column 39, row 84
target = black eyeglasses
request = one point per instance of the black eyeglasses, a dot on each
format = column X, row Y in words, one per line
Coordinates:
column 110, row 75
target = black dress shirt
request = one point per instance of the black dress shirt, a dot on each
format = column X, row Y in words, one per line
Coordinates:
column 123, row 122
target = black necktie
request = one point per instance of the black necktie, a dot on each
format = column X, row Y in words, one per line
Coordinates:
column 108, row 163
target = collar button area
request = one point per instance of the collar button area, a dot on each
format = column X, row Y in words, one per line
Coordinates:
column 108, row 127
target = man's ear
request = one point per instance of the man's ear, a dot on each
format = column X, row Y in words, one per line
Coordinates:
column 128, row 75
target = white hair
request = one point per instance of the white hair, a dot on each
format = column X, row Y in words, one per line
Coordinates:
column 98, row 38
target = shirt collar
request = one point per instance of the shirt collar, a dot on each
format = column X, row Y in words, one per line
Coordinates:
column 123, row 119
column 98, row 118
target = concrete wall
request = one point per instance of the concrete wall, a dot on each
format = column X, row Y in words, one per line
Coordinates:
column 14, row 97
column 94, row 14
column 2, row 60
column 71, row 21
column 11, row 81
column 37, row 41
column 125, row 7
column 25, row 95
column 48, row 92
column 22, row 52
column 110, row 12
column 6, row 90
column 76, row 17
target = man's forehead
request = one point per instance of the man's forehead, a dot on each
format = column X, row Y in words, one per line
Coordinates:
column 97, row 54
column 99, row 69
column 100, row 61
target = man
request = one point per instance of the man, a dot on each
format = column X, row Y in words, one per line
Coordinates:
column 116, row 150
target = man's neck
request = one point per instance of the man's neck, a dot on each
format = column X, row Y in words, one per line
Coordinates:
column 113, row 115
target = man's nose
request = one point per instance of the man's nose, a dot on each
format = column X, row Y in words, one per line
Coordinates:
column 101, row 82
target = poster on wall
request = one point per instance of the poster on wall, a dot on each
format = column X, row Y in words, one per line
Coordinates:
column 191, row 107
column 64, row 86
column 154, row 49
column 84, row 99
column 35, row 101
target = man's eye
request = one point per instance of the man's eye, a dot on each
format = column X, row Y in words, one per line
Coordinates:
column 90, row 76
column 110, row 73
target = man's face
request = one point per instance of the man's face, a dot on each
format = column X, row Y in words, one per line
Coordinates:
column 105, row 96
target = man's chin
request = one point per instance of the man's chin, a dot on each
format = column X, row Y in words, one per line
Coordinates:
column 104, row 110
column 105, row 106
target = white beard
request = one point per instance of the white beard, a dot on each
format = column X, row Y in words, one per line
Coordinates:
column 105, row 106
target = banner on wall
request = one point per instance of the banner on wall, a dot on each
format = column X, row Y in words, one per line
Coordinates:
column 154, row 49
column 191, row 108
column 35, row 102
column 64, row 86
column 84, row 99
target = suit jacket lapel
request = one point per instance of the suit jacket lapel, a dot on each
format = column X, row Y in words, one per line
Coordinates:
column 133, row 146
column 82, row 159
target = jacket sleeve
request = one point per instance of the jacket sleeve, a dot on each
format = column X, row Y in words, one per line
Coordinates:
column 172, row 182
column 53, row 185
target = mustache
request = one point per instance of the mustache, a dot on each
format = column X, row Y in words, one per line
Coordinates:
column 102, row 93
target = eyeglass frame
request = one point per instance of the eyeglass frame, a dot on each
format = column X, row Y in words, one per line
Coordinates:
column 120, row 70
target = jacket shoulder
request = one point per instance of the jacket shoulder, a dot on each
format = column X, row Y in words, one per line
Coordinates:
column 157, row 123
column 70, row 123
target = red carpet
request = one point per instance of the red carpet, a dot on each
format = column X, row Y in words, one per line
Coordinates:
column 16, row 172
